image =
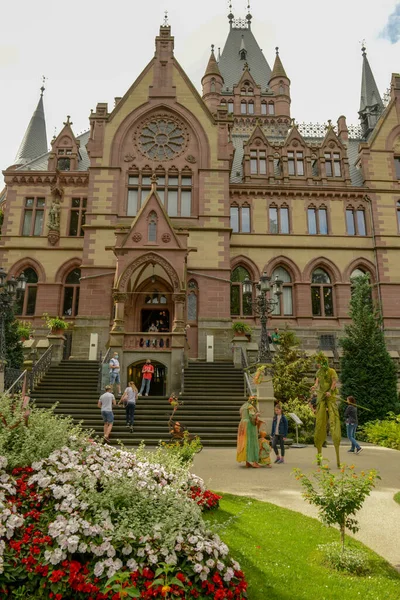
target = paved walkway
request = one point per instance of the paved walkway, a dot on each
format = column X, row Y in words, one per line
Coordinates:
column 379, row 518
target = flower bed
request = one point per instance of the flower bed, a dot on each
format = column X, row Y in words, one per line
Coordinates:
column 79, row 518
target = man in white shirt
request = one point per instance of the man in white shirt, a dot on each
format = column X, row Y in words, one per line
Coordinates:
column 115, row 373
column 105, row 403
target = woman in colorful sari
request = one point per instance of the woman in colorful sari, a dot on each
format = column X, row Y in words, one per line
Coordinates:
column 247, row 438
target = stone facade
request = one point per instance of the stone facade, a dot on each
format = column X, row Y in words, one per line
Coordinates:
column 159, row 211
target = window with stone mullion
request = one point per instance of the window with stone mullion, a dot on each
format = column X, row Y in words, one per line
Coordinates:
column 174, row 190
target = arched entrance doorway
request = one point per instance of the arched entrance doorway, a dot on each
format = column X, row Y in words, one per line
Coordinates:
column 159, row 382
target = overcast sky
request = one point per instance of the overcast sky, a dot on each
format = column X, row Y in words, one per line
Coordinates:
column 92, row 51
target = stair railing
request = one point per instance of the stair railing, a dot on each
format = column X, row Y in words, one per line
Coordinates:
column 16, row 387
column 40, row 368
column 250, row 387
column 102, row 362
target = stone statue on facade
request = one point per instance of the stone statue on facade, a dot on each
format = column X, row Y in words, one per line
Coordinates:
column 54, row 216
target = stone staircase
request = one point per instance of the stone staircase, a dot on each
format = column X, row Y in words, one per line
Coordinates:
column 213, row 394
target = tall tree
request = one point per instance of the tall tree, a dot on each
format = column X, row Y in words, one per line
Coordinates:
column 290, row 369
column 13, row 346
column 367, row 371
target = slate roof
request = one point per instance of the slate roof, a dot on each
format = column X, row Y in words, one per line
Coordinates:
column 34, row 142
column 238, row 141
column 40, row 163
column 231, row 66
column 278, row 70
column 369, row 90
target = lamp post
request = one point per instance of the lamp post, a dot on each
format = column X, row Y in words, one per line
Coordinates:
column 9, row 291
column 264, row 306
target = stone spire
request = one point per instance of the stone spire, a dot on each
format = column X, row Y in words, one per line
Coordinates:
column 212, row 67
column 278, row 70
column 34, row 142
column 371, row 105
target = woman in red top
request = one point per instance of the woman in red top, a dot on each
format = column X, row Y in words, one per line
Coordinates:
column 147, row 372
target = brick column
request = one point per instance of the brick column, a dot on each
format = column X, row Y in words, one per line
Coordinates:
column 179, row 306
column 119, row 318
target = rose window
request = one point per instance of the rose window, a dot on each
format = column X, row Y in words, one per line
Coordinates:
column 161, row 139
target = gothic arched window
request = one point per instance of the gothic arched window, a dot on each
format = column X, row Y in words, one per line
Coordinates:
column 240, row 301
column 71, row 293
column 192, row 301
column 26, row 303
column 321, row 294
column 152, row 227
column 285, row 302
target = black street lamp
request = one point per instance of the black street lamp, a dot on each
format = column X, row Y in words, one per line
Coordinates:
column 10, row 289
column 264, row 306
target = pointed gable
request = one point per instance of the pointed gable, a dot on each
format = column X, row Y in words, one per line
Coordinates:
column 151, row 227
column 64, row 149
column 294, row 135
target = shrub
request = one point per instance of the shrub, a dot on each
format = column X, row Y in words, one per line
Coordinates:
column 337, row 496
column 350, row 560
column 302, row 409
column 383, row 433
column 290, row 369
column 241, row 327
column 28, row 435
column 24, row 329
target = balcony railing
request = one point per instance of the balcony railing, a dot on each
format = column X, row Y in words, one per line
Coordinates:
column 148, row 341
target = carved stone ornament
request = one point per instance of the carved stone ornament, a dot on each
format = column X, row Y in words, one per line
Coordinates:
column 54, row 216
column 258, row 142
column 161, row 137
column 129, row 157
column 166, row 237
column 149, row 258
column 295, row 143
column 331, row 144
column 57, row 190
column 53, row 237
column 190, row 159
column 119, row 297
column 137, row 237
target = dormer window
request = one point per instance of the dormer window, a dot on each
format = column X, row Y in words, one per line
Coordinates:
column 332, row 164
column 242, row 54
column 258, row 162
column 295, row 163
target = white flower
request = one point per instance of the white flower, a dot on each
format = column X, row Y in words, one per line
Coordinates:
column 198, row 568
column 132, row 564
column 127, row 549
column 98, row 569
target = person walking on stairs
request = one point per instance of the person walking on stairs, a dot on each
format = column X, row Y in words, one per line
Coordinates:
column 147, row 372
column 115, row 377
column 106, row 403
column 129, row 399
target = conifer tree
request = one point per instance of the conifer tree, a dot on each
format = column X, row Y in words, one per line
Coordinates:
column 367, row 371
column 13, row 346
column 290, row 369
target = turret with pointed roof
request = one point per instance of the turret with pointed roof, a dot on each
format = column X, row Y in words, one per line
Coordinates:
column 371, row 105
column 212, row 82
column 279, row 84
column 34, row 142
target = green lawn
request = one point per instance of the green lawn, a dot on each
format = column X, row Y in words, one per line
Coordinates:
column 277, row 550
column 397, row 497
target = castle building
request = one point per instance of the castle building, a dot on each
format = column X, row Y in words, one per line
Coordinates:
column 154, row 218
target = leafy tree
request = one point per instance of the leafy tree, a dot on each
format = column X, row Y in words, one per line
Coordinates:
column 367, row 371
column 290, row 369
column 13, row 345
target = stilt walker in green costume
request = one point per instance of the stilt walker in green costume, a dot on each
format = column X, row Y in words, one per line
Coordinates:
column 325, row 386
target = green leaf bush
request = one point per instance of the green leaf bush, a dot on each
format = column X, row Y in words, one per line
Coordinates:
column 385, row 432
column 350, row 560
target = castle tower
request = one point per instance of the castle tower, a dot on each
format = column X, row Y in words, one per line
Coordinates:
column 212, row 83
column 279, row 84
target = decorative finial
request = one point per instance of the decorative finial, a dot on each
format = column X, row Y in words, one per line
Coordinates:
column 212, row 48
column 219, row 54
column 248, row 16
column 68, row 122
column 363, row 48
column 277, row 50
column 246, row 67
column 165, row 24
column 43, row 84
column 154, row 180
column 230, row 16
